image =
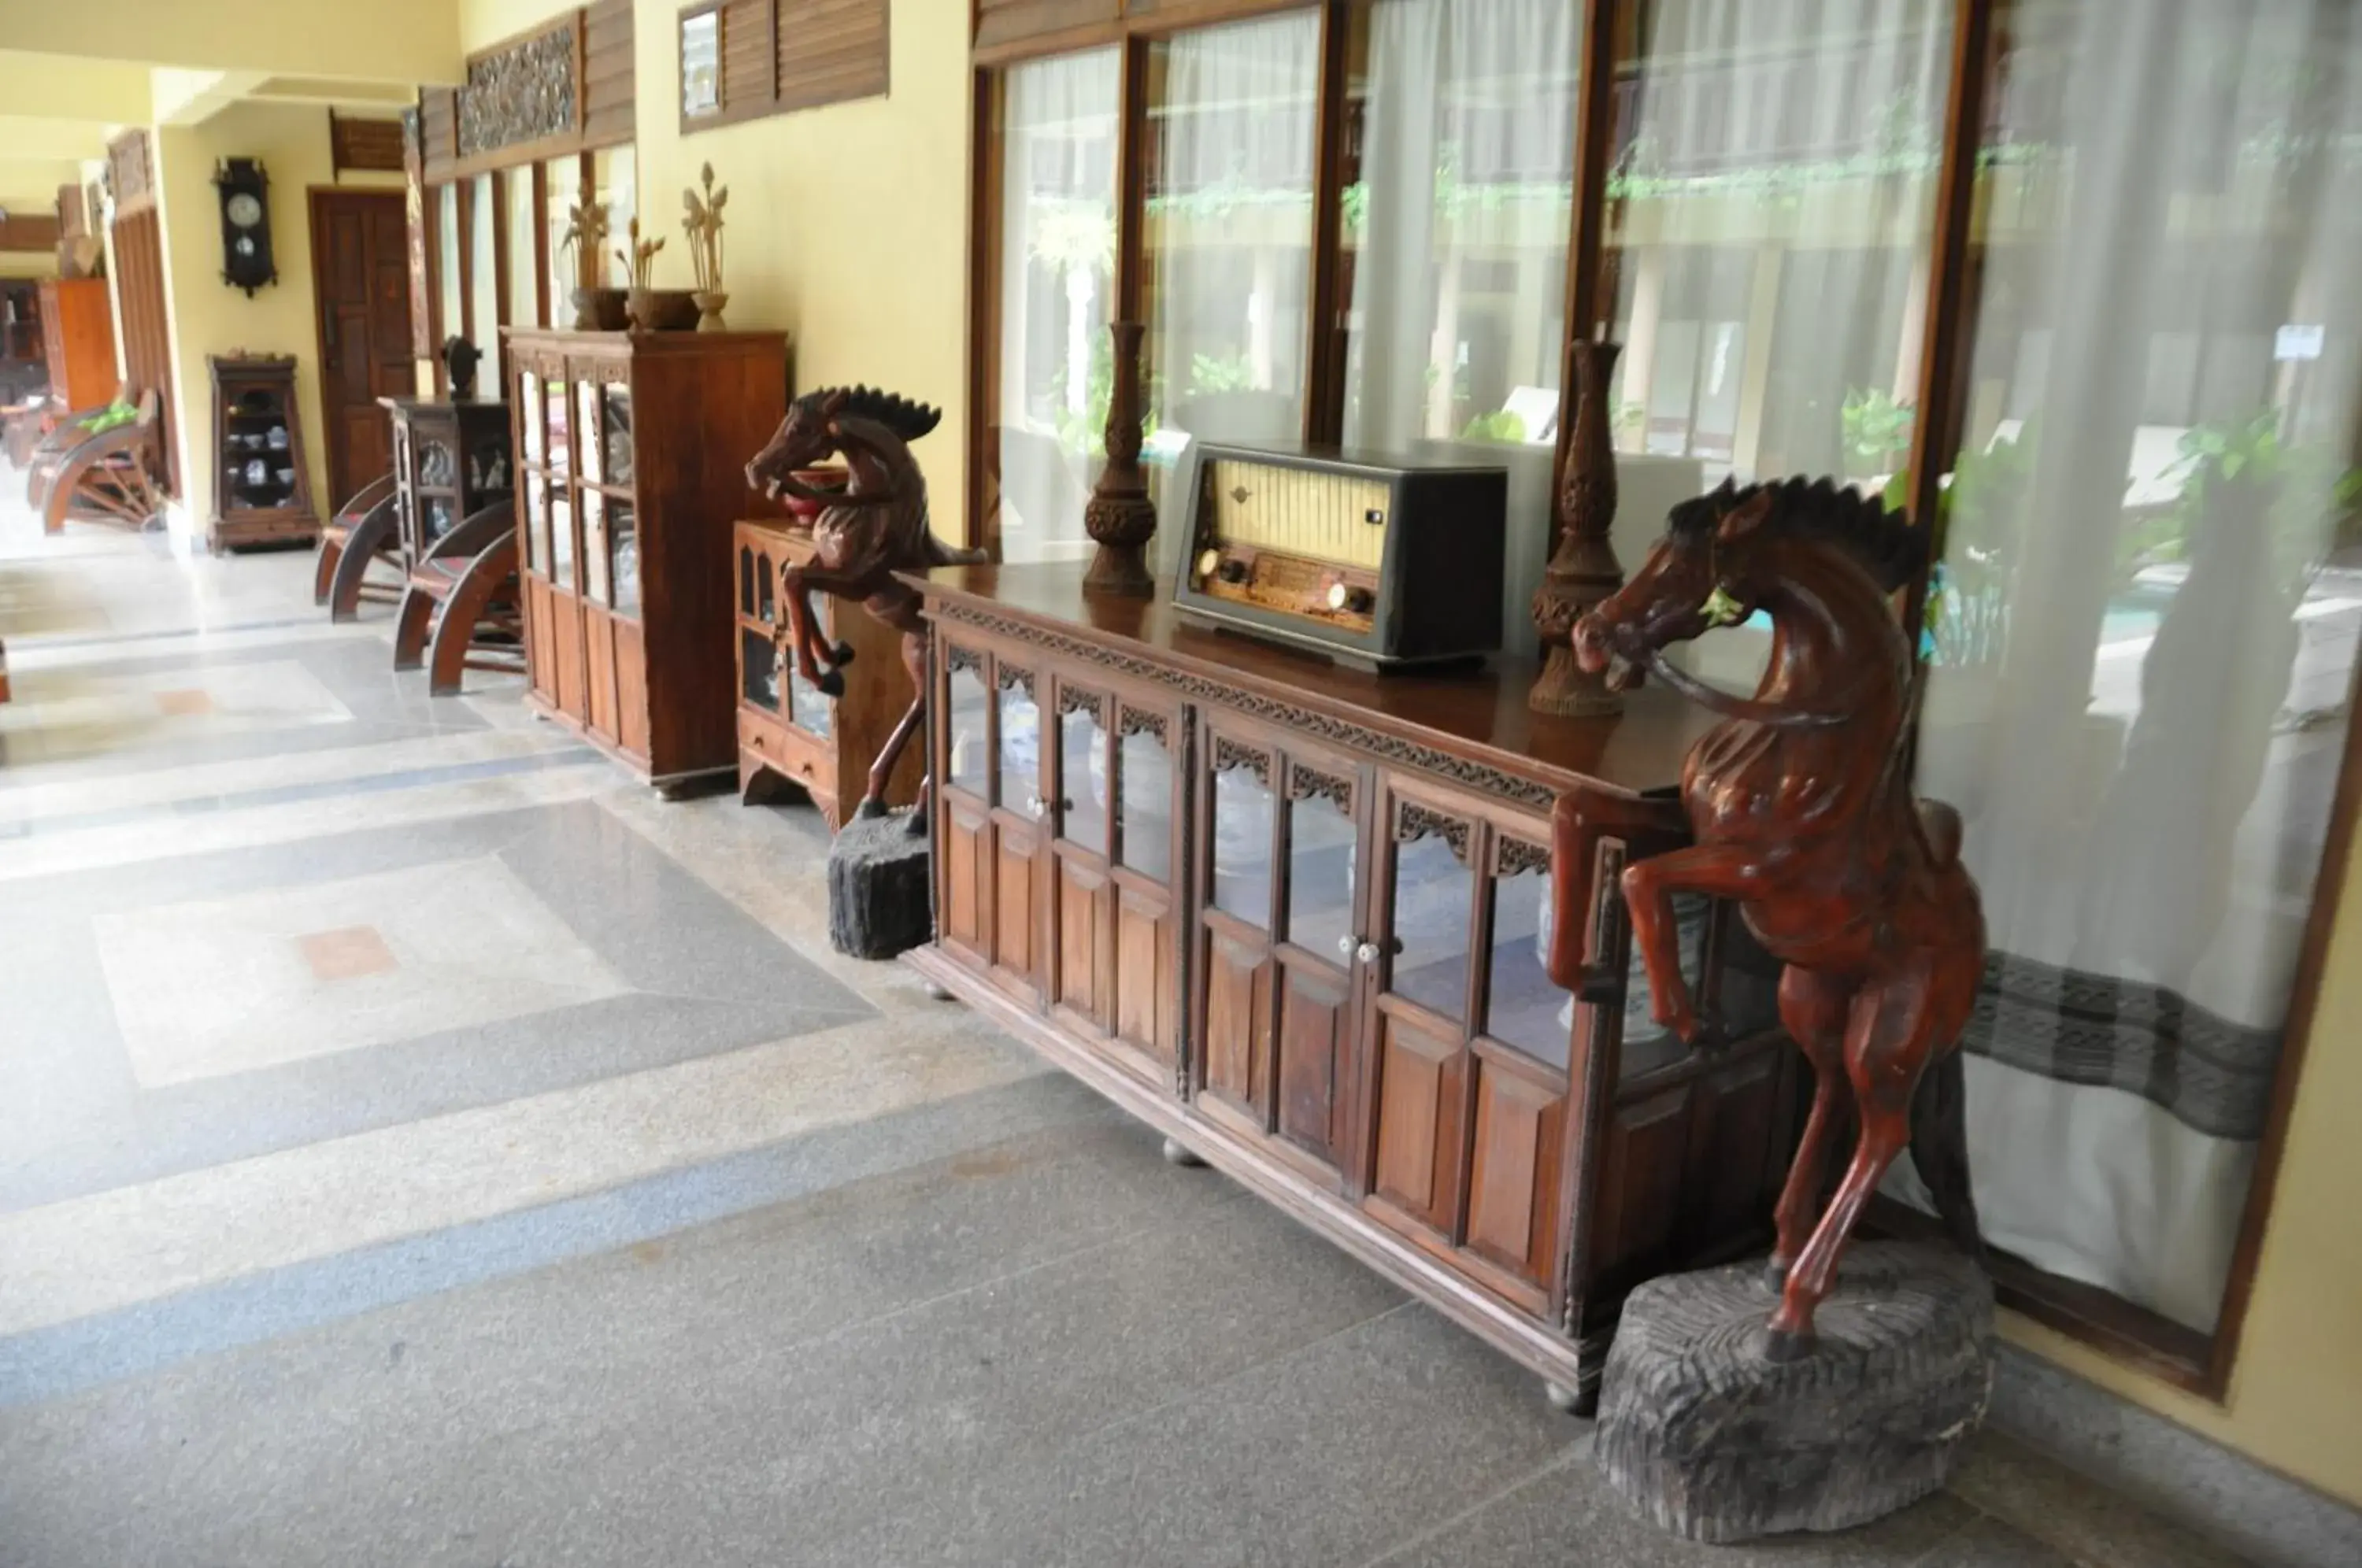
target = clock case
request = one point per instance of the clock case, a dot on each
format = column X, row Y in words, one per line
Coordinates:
column 235, row 177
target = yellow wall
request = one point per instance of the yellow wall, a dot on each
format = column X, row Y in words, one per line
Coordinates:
column 28, row 263
column 210, row 317
column 849, row 227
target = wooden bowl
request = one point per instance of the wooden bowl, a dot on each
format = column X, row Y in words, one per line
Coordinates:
column 830, row 479
column 600, row 310
column 662, row 310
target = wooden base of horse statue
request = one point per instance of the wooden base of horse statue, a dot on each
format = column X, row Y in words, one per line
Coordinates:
column 865, row 533
column 1801, row 813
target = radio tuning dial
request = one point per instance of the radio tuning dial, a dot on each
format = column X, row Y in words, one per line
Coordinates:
column 1232, row 571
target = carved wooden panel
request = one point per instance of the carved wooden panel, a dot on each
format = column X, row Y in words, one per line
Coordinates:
column 1014, row 873
column 1085, row 908
column 1419, row 1089
column 965, row 917
column 439, row 132
column 1315, row 1029
column 1238, row 1021
column 131, row 168
column 1520, row 1134
column 832, row 51
column 1146, row 987
column 359, row 142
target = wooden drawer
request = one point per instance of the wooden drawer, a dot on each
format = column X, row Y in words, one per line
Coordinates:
column 790, row 754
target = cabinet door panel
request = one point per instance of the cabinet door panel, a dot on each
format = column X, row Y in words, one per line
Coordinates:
column 1418, row 1116
column 540, row 633
column 631, row 686
column 599, row 643
column 1014, row 873
column 567, row 640
column 967, row 880
column 1314, row 1025
column 1082, row 914
column 1145, row 984
column 1514, row 1166
column 1238, row 1021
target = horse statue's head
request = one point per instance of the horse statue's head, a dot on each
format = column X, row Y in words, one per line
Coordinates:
column 1726, row 554
column 830, row 420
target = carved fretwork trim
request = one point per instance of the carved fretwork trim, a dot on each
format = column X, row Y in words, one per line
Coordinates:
column 1229, row 754
column 1140, row 721
column 1413, row 822
column 1010, row 675
column 1303, row 783
column 1514, row 856
column 1071, row 700
column 960, row 659
column 1476, row 776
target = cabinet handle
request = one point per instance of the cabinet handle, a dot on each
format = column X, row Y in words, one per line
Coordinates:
column 1367, row 952
column 1345, row 947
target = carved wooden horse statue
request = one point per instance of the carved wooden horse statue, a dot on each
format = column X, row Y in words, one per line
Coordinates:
column 1801, row 812
column 873, row 527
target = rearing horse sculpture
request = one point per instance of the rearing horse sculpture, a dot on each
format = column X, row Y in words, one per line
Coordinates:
column 1801, row 813
column 872, row 528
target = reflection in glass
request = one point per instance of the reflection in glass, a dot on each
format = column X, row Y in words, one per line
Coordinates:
column 970, row 767
column 1058, row 142
column 1649, row 1045
column 758, row 661
column 1082, row 779
column 809, row 707
column 2143, row 631
column 1771, row 203
column 766, row 574
column 537, row 515
column 616, row 399
column 434, row 516
column 1228, row 250
column 1433, row 893
column 594, row 546
column 529, row 415
column 1523, row 1007
column 587, row 397
column 561, row 541
column 1145, row 772
column 1243, row 845
column 561, row 447
column 700, row 65
column 525, row 291
column 436, row 466
column 1021, row 750
column 485, row 278
column 622, row 529
column 1320, row 848
column 447, row 246
column 745, row 583
column 614, row 173
column 562, row 184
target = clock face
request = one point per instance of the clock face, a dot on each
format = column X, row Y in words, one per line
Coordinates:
column 245, row 210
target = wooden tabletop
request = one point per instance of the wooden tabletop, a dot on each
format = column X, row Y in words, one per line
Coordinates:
column 1484, row 715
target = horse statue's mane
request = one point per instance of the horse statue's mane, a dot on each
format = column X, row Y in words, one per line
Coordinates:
column 906, row 419
column 1883, row 542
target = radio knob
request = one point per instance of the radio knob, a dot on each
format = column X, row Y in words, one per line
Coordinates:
column 1207, row 562
column 1359, row 601
column 1232, row 571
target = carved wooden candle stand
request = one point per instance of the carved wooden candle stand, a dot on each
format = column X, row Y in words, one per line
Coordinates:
column 1583, row 570
column 1121, row 517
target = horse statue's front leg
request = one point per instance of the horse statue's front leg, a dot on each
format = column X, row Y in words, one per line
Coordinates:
column 803, row 630
column 1716, row 870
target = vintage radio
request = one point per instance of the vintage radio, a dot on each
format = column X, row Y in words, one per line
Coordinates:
column 1383, row 562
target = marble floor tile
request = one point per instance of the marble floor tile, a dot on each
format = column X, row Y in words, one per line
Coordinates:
column 225, row 986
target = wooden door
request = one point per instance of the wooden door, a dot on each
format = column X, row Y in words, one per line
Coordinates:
column 360, row 272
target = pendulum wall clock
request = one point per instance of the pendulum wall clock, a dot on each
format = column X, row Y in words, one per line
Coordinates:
column 246, row 225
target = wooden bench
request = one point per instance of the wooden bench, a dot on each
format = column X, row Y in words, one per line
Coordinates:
column 461, row 609
column 366, row 528
column 110, row 476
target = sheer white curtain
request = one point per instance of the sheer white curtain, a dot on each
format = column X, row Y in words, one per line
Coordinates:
column 1458, row 229
column 1057, row 274
column 1229, row 231
column 2144, row 630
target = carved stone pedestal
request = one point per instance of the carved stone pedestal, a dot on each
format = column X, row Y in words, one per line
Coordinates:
column 1715, row 1442
column 878, row 897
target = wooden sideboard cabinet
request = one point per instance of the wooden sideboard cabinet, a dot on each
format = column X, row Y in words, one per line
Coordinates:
column 788, row 732
column 450, row 460
column 1298, row 918
column 631, row 451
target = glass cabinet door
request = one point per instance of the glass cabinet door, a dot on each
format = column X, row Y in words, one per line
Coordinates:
column 1083, row 794
column 594, row 547
column 623, row 543
column 615, row 431
column 561, row 540
column 528, row 403
column 586, row 429
column 1241, row 880
column 1322, row 844
column 1018, row 745
column 1144, row 795
column 969, row 719
column 1081, row 881
column 1523, row 1009
column 557, row 421
column 536, row 523
column 758, row 666
column 1429, row 899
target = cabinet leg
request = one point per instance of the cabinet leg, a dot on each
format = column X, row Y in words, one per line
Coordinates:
column 936, row 992
column 1175, row 1155
column 1562, row 1398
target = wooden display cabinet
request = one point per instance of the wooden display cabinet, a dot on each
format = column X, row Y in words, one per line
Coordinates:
column 450, row 460
column 1298, row 918
column 262, row 482
column 790, row 733
column 631, row 451
column 78, row 339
